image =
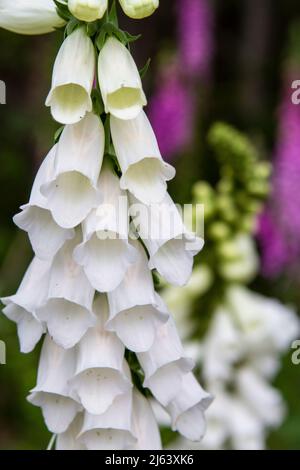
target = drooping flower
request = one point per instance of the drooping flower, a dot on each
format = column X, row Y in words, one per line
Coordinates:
column 138, row 9
column 72, row 79
column 29, row 17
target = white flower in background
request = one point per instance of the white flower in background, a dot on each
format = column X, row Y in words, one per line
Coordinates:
column 263, row 399
column 72, row 191
column 51, row 393
column 135, row 309
column 138, row 9
column 188, row 407
column 88, row 10
column 105, row 252
column 29, row 16
column 111, row 430
column 165, row 365
column 120, row 81
column 144, row 424
column 170, row 245
column 68, row 309
column 72, row 79
column 36, row 218
column 245, row 428
column 100, row 374
column 21, row 307
column 144, row 173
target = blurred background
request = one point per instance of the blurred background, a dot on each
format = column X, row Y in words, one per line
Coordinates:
column 231, row 61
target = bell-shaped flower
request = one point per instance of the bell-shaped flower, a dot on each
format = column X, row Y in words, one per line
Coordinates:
column 51, row 393
column 187, row 409
column 263, row 399
column 105, row 252
column 21, row 307
column 68, row 439
column 245, row 428
column 36, row 218
column 120, row 81
column 111, row 430
column 136, row 309
column 144, row 424
column 88, row 10
column 72, row 79
column 68, row 310
column 170, row 245
column 165, row 365
column 144, row 173
column 72, row 192
column 100, row 374
column 29, row 17
column 138, row 9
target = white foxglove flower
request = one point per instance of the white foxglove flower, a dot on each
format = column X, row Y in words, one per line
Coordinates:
column 105, row 252
column 165, row 365
column 51, row 393
column 264, row 400
column 170, row 246
column 111, row 430
column 144, row 424
column 144, row 173
column 68, row 310
column 245, row 265
column 72, row 79
column 88, row 10
column 72, row 193
column 68, row 439
column 100, row 376
column 222, row 347
column 136, row 309
column 138, row 9
column 22, row 306
column 29, row 16
column 36, row 218
column 120, row 81
column 187, row 409
column 246, row 429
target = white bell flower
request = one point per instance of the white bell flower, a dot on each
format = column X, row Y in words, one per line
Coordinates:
column 68, row 310
column 165, row 365
column 29, row 17
column 88, row 10
column 21, row 307
column 187, row 409
column 144, row 173
column 72, row 79
column 72, row 193
column 120, row 81
column 100, row 375
column 144, row 424
column 170, row 246
column 36, row 218
column 68, row 439
column 51, row 393
column 136, row 309
column 105, row 252
column 245, row 428
column 263, row 399
column 138, row 9
column 111, row 430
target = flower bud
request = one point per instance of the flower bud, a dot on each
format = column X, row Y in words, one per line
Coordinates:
column 138, row 9
column 88, row 10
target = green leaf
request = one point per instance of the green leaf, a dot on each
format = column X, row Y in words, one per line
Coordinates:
column 58, row 134
column 130, row 38
column 98, row 105
column 144, row 70
column 113, row 15
column 92, row 28
column 62, row 10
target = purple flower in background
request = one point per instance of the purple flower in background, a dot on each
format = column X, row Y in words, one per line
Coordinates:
column 280, row 225
column 195, row 36
column 171, row 112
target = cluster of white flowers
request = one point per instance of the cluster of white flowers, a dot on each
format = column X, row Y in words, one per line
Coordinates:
column 239, row 356
column 90, row 288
